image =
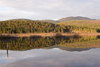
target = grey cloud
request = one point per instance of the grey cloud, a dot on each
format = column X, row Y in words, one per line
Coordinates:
column 52, row 9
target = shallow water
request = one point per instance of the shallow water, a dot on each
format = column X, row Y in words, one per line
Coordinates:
column 50, row 52
column 54, row 57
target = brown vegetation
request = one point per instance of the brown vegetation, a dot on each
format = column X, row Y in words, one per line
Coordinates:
column 48, row 34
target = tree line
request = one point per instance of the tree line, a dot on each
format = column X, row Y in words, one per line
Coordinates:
column 29, row 26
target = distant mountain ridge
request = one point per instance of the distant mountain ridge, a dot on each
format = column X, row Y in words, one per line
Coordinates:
column 60, row 20
column 68, row 19
column 74, row 18
column 51, row 21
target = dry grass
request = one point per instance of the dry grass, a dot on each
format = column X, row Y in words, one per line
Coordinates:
column 47, row 34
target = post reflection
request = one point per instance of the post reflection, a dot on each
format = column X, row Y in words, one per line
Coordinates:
column 7, row 50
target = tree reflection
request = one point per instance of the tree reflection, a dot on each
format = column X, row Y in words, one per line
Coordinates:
column 4, row 40
column 42, row 42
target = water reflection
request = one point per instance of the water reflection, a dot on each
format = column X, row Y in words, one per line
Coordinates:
column 74, row 49
column 61, row 48
column 42, row 42
column 52, row 52
column 54, row 57
column 7, row 50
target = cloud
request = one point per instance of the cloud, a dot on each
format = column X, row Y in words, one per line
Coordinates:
column 50, row 9
column 55, row 58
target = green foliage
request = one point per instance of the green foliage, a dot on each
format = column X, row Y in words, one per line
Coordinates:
column 82, row 25
column 28, row 26
column 17, row 26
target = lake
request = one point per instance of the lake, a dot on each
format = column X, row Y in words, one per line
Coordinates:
column 50, row 52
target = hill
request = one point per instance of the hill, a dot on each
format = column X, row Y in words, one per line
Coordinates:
column 74, row 18
column 68, row 19
column 50, row 21
column 83, row 25
column 29, row 26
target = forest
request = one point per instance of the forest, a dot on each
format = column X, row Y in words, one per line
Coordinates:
column 16, row 26
column 29, row 26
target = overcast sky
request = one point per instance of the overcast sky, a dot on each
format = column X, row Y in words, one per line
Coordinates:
column 48, row 9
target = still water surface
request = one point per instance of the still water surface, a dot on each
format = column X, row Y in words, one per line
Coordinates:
column 54, row 57
column 64, row 55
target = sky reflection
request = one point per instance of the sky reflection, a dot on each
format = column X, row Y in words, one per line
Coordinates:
column 51, row 58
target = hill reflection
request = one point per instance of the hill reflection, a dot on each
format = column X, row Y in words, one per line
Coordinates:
column 42, row 42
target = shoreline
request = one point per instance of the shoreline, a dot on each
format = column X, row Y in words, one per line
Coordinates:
column 48, row 34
